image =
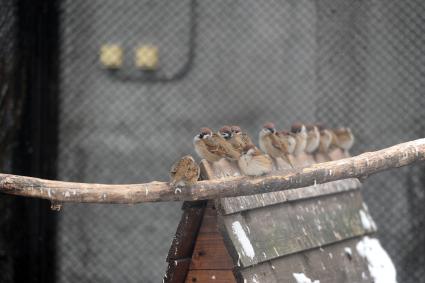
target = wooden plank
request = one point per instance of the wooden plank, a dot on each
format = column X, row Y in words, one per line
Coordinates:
column 210, row 253
column 210, row 276
column 263, row 234
column 177, row 270
column 184, row 239
column 238, row 204
column 209, row 221
column 338, row 262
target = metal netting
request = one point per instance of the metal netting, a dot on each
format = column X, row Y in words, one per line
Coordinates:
column 340, row 62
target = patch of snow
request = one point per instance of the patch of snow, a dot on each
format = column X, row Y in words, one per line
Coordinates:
column 301, row 278
column 243, row 239
column 381, row 268
column 254, row 279
column 367, row 221
column 348, row 251
column 67, row 194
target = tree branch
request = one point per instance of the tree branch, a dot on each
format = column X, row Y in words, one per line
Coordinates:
column 360, row 166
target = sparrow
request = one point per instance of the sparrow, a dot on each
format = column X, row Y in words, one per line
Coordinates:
column 271, row 144
column 335, row 152
column 226, row 133
column 253, row 162
column 213, row 147
column 344, row 139
column 184, row 172
column 326, row 138
column 313, row 139
column 300, row 133
column 288, row 139
column 237, row 132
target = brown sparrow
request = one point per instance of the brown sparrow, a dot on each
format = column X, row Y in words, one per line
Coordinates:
column 226, row 133
column 253, row 162
column 300, row 134
column 288, row 139
column 237, row 132
column 271, row 144
column 213, row 147
column 326, row 137
column 335, row 152
column 344, row 139
column 313, row 139
column 184, row 172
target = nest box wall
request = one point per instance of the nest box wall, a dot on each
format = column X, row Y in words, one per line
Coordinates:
column 273, row 237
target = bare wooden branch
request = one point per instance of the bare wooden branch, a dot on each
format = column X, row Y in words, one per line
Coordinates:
column 360, row 166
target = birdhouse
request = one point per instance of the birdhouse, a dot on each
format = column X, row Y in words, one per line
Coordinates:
column 321, row 232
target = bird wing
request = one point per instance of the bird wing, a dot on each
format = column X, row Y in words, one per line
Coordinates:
column 278, row 144
column 246, row 139
column 214, row 147
column 221, row 147
column 192, row 172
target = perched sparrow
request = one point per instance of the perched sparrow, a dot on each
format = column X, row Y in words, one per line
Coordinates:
column 225, row 132
column 326, row 137
column 313, row 139
column 235, row 141
column 213, row 147
column 344, row 138
column 253, row 162
column 184, row 172
column 237, row 132
column 288, row 139
column 300, row 134
column 271, row 144
column 335, row 152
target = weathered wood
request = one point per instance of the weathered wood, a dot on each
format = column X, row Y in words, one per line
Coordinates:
column 238, row 204
column 177, row 271
column 210, row 276
column 263, row 234
column 359, row 166
column 241, row 203
column 184, row 239
column 339, row 262
column 210, row 260
column 209, row 220
column 180, row 253
column 210, row 253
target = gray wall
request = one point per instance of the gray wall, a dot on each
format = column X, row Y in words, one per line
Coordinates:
column 354, row 63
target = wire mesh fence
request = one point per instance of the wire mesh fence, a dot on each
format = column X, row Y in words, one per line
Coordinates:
column 354, row 63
